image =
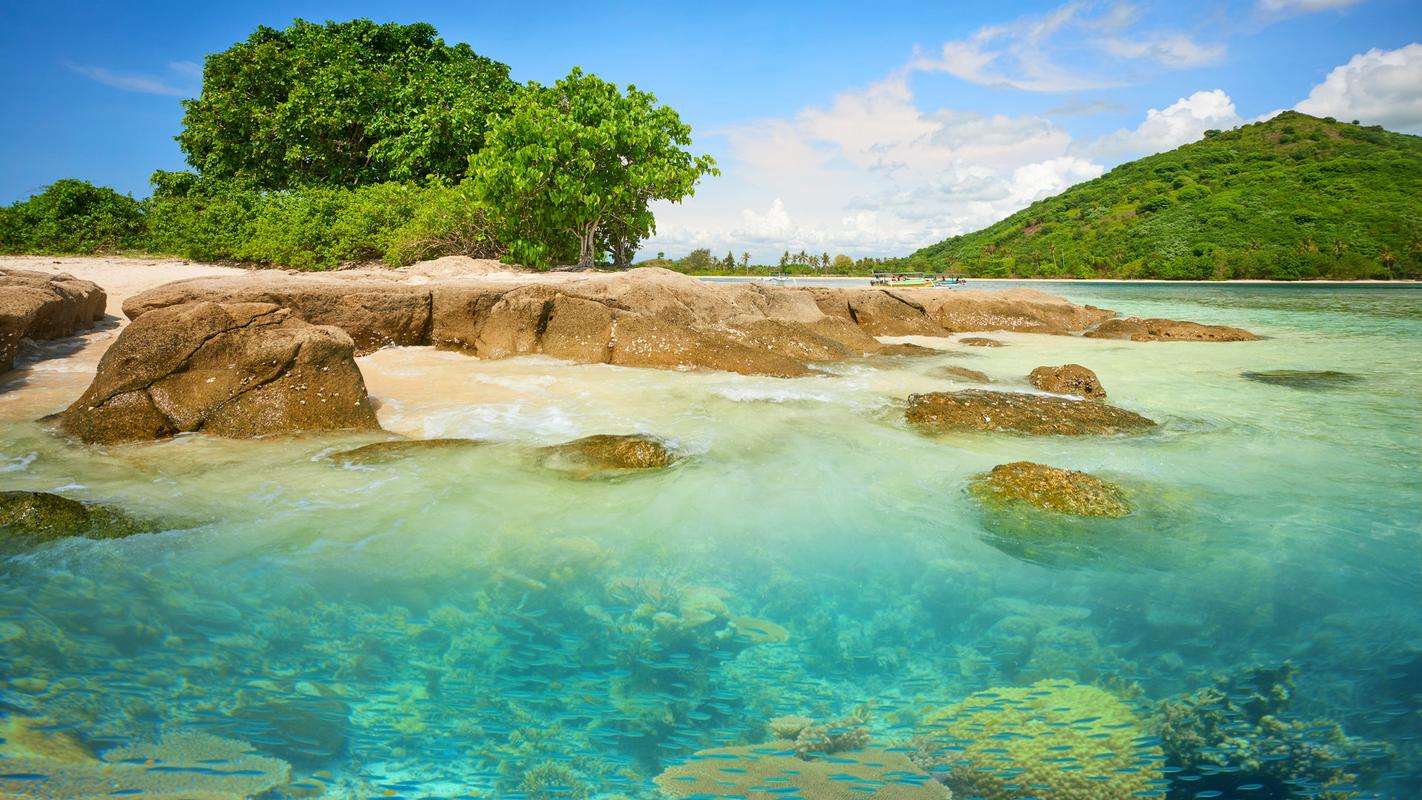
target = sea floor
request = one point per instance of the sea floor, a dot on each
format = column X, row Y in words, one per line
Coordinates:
column 473, row 624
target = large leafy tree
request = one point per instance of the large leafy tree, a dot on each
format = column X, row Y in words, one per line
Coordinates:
column 344, row 103
column 573, row 167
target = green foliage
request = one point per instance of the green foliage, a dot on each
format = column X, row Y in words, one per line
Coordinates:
column 316, row 227
column 344, row 103
column 72, row 216
column 1292, row 198
column 578, row 162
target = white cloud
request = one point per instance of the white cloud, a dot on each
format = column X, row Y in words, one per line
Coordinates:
column 1027, row 54
column 1183, row 121
column 1303, row 6
column 186, row 78
column 1379, row 87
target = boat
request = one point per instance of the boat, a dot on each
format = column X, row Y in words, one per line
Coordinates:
column 950, row 281
column 900, row 279
column 781, row 278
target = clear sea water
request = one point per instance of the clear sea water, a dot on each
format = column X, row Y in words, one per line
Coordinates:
column 473, row 624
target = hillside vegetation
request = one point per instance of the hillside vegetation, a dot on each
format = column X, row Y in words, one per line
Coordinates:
column 1296, row 197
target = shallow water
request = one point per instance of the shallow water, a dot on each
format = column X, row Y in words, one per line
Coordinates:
column 474, row 624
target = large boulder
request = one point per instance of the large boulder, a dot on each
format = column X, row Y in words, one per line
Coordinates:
column 229, row 369
column 1016, row 412
column 40, row 305
column 1167, row 330
column 1068, row 379
column 1051, row 489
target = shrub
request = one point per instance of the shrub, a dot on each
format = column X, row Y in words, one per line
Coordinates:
column 72, row 216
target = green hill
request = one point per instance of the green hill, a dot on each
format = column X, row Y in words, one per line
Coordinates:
column 1295, row 197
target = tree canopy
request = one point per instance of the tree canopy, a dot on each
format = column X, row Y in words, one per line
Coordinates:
column 573, row 167
column 342, row 103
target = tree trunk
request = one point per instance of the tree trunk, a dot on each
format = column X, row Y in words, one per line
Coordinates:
column 586, row 252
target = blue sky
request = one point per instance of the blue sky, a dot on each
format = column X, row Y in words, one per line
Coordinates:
column 838, row 128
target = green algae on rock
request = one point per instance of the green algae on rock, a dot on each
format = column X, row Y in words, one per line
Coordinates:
column 394, row 450
column 1051, row 489
column 1018, row 412
column 42, row 516
column 1068, row 741
column 1073, row 379
column 610, row 453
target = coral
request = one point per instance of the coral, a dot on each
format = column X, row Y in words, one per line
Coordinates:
column 774, row 770
column 185, row 766
column 1236, row 732
column 1054, row 739
column 547, row 781
column 850, row 733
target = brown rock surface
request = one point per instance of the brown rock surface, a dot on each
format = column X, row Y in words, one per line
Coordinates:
column 1052, row 489
column 1167, row 330
column 609, row 452
column 236, row 369
column 644, row 317
column 382, row 452
column 1015, row 412
column 38, row 305
column 979, row 341
column 1068, row 379
column 41, row 516
column 962, row 374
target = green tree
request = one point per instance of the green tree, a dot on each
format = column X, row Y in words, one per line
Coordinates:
column 745, row 260
column 842, row 263
column 72, row 216
column 572, row 158
column 342, row 103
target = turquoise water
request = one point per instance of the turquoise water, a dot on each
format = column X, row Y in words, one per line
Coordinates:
column 472, row 624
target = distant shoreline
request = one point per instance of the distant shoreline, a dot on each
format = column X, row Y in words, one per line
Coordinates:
column 1398, row 282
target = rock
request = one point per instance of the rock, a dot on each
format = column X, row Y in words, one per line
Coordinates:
column 39, row 305
column 610, row 453
column 1313, row 380
column 42, row 516
column 1015, row 412
column 980, row 341
column 1052, row 489
column 962, row 374
column 1071, row 379
column 382, row 452
column 237, row 369
column 1167, row 330
column 642, row 318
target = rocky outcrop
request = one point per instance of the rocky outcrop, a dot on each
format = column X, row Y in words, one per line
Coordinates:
column 1167, row 330
column 383, row 452
column 1073, row 379
column 1015, row 412
column 608, row 453
column 41, row 516
column 1051, row 489
column 642, row 318
column 233, row 369
column 979, row 341
column 39, row 305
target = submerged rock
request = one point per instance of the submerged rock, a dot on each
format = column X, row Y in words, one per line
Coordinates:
column 1303, row 378
column 382, row 452
column 774, row 770
column 1052, row 489
column 1068, row 379
column 980, row 341
column 610, row 453
column 40, row 305
column 43, row 516
column 961, row 373
column 1016, row 412
column 1137, row 329
column 238, row 370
